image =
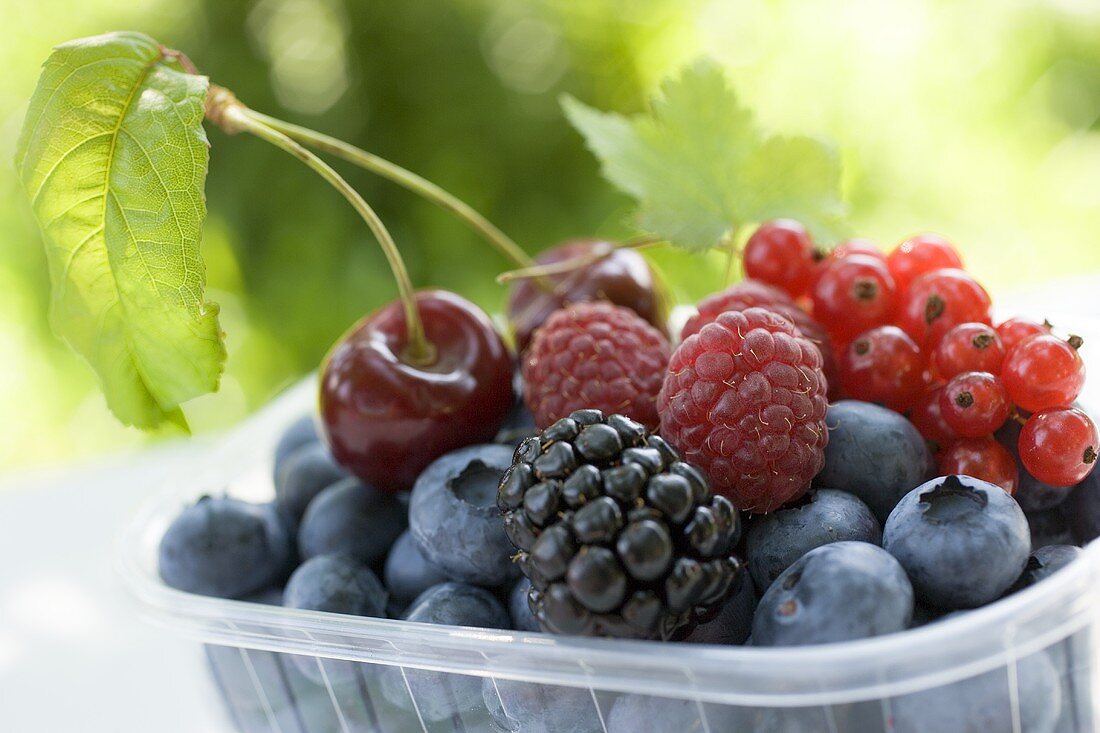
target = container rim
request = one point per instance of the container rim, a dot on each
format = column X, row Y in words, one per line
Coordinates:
column 936, row 654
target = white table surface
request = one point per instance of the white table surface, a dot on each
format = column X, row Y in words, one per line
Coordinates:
column 75, row 656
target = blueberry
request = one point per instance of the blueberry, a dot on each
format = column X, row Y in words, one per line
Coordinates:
column 1031, row 494
column 634, row 713
column 302, row 431
column 520, row 609
column 874, row 453
column 407, row 573
column 302, row 475
column 528, row 707
column 337, row 584
column 1082, row 509
column 1044, row 562
column 454, row 518
column 439, row 695
column 774, row 541
column 1049, row 527
column 836, row 592
column 924, row 615
column 352, row 518
column 962, row 541
column 225, row 547
column 1029, row 699
column 733, row 622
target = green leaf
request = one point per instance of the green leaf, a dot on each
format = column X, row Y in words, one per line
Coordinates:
column 113, row 157
column 701, row 169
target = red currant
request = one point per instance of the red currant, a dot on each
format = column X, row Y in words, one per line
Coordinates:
column 927, row 417
column 883, row 365
column 1058, row 446
column 938, row 301
column 1044, row 371
column 968, row 347
column 853, row 295
column 781, row 253
column 1015, row 330
column 918, row 255
column 975, row 404
column 982, row 458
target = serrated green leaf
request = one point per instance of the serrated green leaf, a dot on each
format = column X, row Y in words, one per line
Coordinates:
column 701, row 169
column 113, row 157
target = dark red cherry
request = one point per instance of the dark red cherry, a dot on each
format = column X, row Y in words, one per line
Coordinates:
column 386, row 419
column 623, row 277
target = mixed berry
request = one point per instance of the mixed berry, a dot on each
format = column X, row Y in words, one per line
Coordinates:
column 893, row 454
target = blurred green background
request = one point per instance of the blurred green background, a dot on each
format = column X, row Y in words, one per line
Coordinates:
column 980, row 120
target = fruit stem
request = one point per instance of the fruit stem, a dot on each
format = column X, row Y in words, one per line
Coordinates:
column 403, row 177
column 575, row 263
column 226, row 111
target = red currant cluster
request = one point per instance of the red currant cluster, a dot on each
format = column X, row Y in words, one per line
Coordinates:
column 913, row 331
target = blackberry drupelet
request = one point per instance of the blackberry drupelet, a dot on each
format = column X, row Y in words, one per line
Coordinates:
column 618, row 536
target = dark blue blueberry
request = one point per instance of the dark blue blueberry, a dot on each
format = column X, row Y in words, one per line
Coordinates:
column 774, row 541
column 962, row 541
column 924, row 615
column 520, row 609
column 304, row 473
column 454, row 519
column 986, row 703
column 634, row 713
column 302, row 431
column 407, row 573
column 225, row 547
column 733, row 622
column 1050, row 527
column 1031, row 494
column 1044, row 562
column 439, row 695
column 352, row 518
column 874, row 453
column 837, row 592
column 528, row 707
column 337, row 584
column 1082, row 509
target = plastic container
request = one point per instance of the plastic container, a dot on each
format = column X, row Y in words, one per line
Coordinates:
column 1023, row 664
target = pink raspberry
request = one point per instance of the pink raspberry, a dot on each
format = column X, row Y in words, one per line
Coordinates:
column 744, row 400
column 751, row 293
column 595, row 355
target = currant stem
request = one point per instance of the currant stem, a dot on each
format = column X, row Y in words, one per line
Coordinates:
column 224, row 110
column 403, row 177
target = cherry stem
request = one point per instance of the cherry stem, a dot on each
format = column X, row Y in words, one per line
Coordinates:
column 403, row 177
column 575, row 263
column 226, row 111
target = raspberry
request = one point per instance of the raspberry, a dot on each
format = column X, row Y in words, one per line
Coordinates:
column 618, row 536
column 744, row 400
column 595, row 355
column 756, row 294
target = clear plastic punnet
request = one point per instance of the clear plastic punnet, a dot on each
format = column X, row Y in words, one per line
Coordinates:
column 1023, row 664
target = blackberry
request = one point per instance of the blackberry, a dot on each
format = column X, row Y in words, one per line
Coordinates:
column 618, row 536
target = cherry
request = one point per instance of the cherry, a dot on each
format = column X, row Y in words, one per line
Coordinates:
column 927, row 417
column 918, row 255
column 386, row 418
column 982, row 458
column 1015, row 330
column 938, row 301
column 1044, row 371
column 968, row 347
column 883, row 365
column 854, row 294
column 975, row 404
column 1058, row 446
column 781, row 253
column 622, row 277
